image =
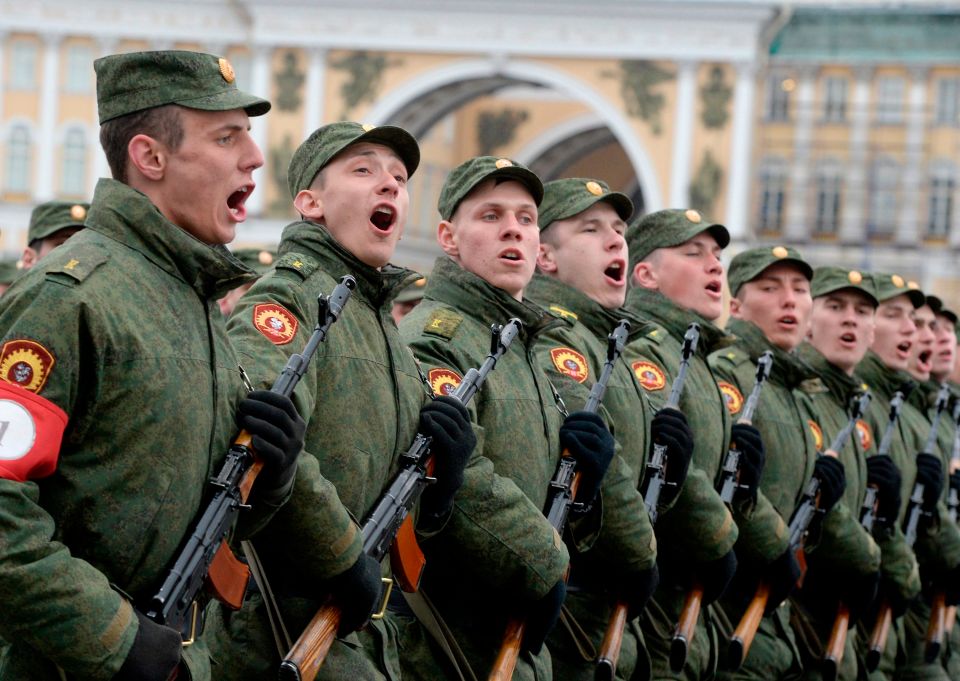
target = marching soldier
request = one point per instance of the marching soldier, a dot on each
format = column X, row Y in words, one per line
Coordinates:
column 51, row 224
column 408, row 299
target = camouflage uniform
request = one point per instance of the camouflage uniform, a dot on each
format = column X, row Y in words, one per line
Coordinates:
column 127, row 312
column 497, row 548
column 626, row 543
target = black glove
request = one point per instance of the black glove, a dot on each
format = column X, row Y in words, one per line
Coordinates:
column 951, row 586
column 859, row 593
column 669, row 427
column 586, row 437
column 829, row 471
column 782, row 575
column 155, row 654
column 542, row 618
column 930, row 475
column 715, row 576
column 753, row 456
column 447, row 421
column 277, row 430
column 889, row 593
column 637, row 588
column 357, row 591
column 824, row 588
column 955, row 480
column 883, row 474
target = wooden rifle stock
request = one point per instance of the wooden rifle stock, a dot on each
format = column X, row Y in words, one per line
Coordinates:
column 609, row 654
column 935, row 629
column 506, row 660
column 310, row 650
column 833, row 655
column 686, row 626
column 879, row 635
column 746, row 630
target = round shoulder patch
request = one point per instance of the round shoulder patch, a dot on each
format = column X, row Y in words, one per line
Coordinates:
column 26, row 363
column 275, row 322
column 570, row 363
column 866, row 435
column 650, row 376
column 443, row 381
column 817, row 434
column 731, row 396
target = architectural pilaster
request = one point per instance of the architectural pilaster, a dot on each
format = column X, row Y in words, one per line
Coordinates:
column 313, row 111
column 45, row 175
column 258, row 124
column 855, row 195
column 738, row 187
column 683, row 134
column 909, row 230
column 797, row 228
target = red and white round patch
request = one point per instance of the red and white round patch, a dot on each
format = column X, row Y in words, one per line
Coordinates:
column 26, row 363
column 732, row 397
column 275, row 322
column 866, row 435
column 570, row 363
column 817, row 434
column 443, row 381
column 650, row 376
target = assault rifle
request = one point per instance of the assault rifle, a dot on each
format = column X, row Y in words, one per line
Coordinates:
column 953, row 501
column 389, row 523
column 206, row 560
column 560, row 499
column 799, row 528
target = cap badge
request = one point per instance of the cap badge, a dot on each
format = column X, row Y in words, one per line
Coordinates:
column 78, row 212
column 912, row 285
column 897, row 280
column 594, row 188
column 503, row 163
column 265, row 257
column 693, row 216
column 421, row 282
column 367, row 127
column 854, row 277
column 226, row 70
column 779, row 252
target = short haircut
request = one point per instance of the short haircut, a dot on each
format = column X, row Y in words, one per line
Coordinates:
column 162, row 123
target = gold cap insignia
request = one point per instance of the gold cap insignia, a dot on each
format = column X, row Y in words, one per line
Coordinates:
column 503, row 163
column 693, row 216
column 912, row 285
column 226, row 70
column 367, row 127
column 854, row 277
column 594, row 188
column 422, row 281
column 78, row 212
column 265, row 257
column 780, row 252
column 897, row 280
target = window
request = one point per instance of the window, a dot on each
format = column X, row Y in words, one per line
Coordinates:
column 828, row 187
column 79, row 69
column 18, row 159
column 773, row 184
column 835, row 100
column 947, row 110
column 890, row 100
column 23, row 66
column 884, row 181
column 943, row 184
column 74, row 162
column 778, row 97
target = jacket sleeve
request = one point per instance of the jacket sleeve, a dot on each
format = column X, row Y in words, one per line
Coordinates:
column 898, row 564
column 845, row 544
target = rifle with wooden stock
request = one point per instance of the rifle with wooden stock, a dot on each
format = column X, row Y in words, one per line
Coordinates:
column 953, row 501
column 560, row 500
column 798, row 529
column 389, row 524
column 206, row 560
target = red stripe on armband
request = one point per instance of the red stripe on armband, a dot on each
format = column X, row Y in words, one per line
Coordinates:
column 31, row 430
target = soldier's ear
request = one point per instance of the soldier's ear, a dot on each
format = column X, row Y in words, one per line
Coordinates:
column 735, row 307
column 546, row 259
column 147, row 156
column 644, row 275
column 447, row 238
column 29, row 258
column 308, row 204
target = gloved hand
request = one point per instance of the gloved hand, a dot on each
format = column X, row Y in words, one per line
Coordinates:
column 951, row 586
column 781, row 574
column 669, row 427
column 277, row 431
column 586, row 437
column 930, row 475
column 542, row 617
column 955, row 480
column 859, row 592
column 829, row 471
column 357, row 591
column 447, row 421
column 889, row 593
column 155, row 655
column 883, row 474
column 753, row 456
column 715, row 575
column 824, row 587
column 637, row 588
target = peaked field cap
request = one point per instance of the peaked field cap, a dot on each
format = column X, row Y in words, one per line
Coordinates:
column 50, row 217
column 890, row 286
column 127, row 83
column 563, row 199
column 466, row 176
column 329, row 140
column 669, row 228
column 827, row 280
column 750, row 264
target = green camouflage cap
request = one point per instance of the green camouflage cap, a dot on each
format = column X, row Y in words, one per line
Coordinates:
column 49, row 218
column 258, row 259
column 934, row 303
column 750, row 264
column 892, row 285
column 328, row 141
column 948, row 313
column 830, row 279
column 669, row 228
column 469, row 174
column 412, row 292
column 566, row 198
column 8, row 271
column 127, row 83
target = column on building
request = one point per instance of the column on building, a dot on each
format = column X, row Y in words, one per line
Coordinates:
column 797, row 228
column 258, row 124
column 3, row 43
column 683, row 134
column 105, row 45
column 909, row 230
column 45, row 177
column 313, row 114
column 738, row 188
column 856, row 195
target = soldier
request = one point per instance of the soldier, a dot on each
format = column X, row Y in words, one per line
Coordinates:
column 51, row 224
column 498, row 558
column 945, row 343
column 257, row 259
column 349, row 183
column 8, row 272
column 408, row 299
column 115, row 355
column 583, row 276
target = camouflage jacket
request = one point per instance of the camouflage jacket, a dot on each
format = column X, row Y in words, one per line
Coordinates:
column 129, row 342
column 699, row 525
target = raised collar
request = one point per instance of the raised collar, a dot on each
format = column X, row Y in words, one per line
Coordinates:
column 563, row 299
column 656, row 307
column 842, row 386
column 788, row 369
